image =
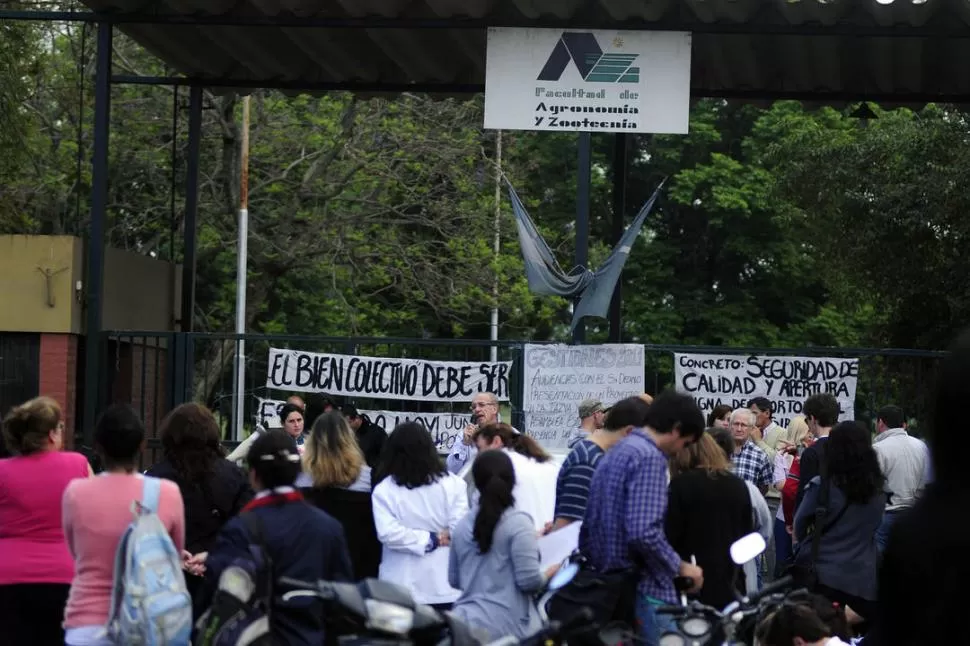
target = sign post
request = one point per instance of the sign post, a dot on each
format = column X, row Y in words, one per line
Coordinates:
column 587, row 81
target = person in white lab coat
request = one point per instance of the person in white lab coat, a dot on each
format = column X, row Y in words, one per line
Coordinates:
column 535, row 471
column 417, row 505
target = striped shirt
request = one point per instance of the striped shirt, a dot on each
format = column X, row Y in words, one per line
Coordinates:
column 575, row 475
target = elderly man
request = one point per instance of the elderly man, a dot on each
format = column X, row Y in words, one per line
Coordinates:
column 484, row 410
column 750, row 462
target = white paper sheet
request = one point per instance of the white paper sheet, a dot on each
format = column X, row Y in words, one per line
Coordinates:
column 556, row 546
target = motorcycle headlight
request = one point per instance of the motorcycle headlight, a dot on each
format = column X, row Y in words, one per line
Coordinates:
column 695, row 626
column 388, row 618
column 672, row 639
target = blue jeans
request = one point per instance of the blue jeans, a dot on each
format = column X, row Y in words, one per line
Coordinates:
column 783, row 547
column 882, row 534
column 650, row 623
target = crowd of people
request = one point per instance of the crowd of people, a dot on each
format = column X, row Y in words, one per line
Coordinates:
column 660, row 492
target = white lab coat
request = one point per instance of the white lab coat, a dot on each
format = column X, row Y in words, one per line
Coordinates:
column 405, row 519
column 535, row 487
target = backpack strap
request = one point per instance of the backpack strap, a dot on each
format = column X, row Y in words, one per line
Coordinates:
column 150, row 493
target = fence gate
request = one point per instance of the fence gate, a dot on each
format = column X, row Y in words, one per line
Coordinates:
column 156, row 371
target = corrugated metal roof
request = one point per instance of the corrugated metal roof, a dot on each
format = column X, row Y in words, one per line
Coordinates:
column 905, row 49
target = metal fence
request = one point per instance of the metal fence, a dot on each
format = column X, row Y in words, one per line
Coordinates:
column 154, row 372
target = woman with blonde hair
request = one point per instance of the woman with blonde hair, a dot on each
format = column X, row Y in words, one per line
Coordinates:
column 332, row 457
column 336, row 479
column 708, row 509
column 36, row 567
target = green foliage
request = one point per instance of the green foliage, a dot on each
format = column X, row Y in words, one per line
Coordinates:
column 777, row 227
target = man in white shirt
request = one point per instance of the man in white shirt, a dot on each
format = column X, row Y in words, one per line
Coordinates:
column 903, row 460
column 766, row 435
column 484, row 409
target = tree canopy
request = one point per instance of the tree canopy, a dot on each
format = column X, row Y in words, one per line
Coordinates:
column 779, row 226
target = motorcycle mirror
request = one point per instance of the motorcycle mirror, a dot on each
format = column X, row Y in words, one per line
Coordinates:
column 563, row 576
column 747, row 548
column 615, row 634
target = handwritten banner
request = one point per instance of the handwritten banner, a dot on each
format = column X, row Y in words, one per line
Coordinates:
column 559, row 377
column 445, row 428
column 386, row 378
column 714, row 379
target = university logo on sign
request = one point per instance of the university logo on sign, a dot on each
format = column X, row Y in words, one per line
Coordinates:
column 594, row 65
column 587, row 80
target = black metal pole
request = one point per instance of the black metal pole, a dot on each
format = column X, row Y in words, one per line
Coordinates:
column 582, row 216
column 94, row 289
column 618, row 222
column 191, row 208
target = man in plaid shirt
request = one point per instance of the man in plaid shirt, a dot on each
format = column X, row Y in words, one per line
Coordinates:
column 624, row 523
column 750, row 462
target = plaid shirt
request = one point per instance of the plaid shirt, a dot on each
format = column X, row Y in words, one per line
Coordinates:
column 751, row 464
column 625, row 516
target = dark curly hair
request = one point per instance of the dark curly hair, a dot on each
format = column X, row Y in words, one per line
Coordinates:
column 409, row 456
column 852, row 463
column 191, row 441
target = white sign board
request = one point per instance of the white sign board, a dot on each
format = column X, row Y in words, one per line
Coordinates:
column 559, row 377
column 445, row 428
column 386, row 378
column 734, row 380
column 587, row 80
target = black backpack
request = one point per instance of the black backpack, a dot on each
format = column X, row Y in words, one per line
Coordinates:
column 240, row 611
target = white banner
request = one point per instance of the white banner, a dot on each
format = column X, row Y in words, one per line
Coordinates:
column 445, row 428
column 559, row 377
column 587, row 80
column 734, row 380
column 386, row 378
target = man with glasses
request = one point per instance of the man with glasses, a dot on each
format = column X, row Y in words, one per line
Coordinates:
column 750, row 462
column 484, row 410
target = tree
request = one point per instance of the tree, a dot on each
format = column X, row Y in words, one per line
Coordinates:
column 889, row 215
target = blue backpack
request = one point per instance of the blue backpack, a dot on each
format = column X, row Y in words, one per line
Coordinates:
column 150, row 605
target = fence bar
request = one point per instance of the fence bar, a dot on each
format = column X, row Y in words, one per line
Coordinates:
column 99, row 205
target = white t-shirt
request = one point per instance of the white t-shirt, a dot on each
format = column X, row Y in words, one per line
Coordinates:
column 535, row 487
column 783, row 462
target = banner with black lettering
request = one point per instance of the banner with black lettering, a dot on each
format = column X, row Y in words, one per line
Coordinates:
column 559, row 377
column 445, row 428
column 385, row 377
column 714, row 379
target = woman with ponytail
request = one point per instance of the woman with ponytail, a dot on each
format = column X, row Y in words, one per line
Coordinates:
column 299, row 540
column 494, row 557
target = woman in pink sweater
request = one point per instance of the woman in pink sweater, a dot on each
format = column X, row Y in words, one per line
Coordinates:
column 96, row 513
column 35, row 566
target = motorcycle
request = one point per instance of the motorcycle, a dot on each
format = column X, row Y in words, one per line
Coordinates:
column 379, row 613
column 697, row 624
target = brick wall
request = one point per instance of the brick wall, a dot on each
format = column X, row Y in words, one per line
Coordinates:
column 58, row 376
